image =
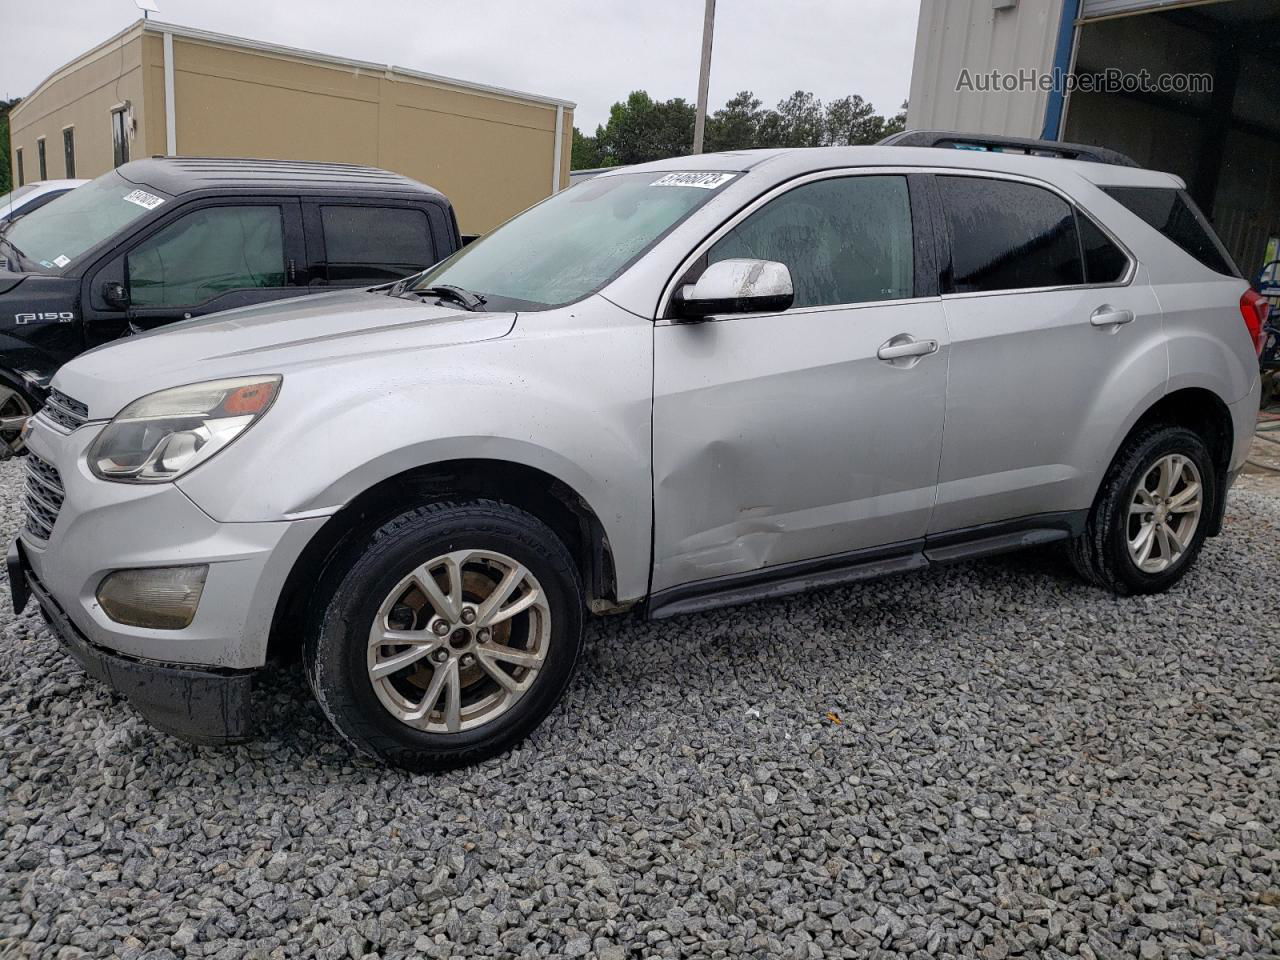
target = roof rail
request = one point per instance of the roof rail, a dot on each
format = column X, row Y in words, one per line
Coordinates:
column 996, row 144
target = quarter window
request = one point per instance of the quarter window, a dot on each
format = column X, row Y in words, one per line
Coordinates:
column 375, row 244
column 207, row 253
column 1175, row 215
column 845, row 240
column 1104, row 262
column 1007, row 235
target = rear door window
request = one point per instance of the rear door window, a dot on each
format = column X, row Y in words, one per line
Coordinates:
column 368, row 245
column 1007, row 235
column 206, row 253
column 1174, row 214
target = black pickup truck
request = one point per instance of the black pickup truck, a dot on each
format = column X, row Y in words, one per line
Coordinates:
column 171, row 238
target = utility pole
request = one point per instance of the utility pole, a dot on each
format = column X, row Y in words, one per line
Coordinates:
column 704, row 75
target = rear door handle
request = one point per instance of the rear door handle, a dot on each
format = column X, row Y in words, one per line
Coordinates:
column 1110, row 317
column 904, row 346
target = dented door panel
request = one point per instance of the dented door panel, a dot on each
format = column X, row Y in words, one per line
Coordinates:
column 785, row 437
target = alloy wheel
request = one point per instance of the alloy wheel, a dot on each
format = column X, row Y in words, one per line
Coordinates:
column 459, row 641
column 14, row 413
column 1164, row 513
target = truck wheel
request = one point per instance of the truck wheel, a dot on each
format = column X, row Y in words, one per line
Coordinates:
column 447, row 636
column 16, row 406
column 1152, row 514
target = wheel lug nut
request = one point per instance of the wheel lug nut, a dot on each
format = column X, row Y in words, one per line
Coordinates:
column 482, row 635
column 440, row 656
column 440, row 628
column 468, row 660
column 468, row 615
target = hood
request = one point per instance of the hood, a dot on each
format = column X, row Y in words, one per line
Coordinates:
column 324, row 329
column 10, row 279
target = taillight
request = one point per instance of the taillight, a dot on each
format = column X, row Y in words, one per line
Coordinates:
column 1254, row 308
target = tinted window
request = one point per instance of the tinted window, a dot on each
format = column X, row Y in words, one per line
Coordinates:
column 1104, row 262
column 373, row 244
column 1008, row 236
column 1174, row 214
column 44, row 169
column 119, row 137
column 206, row 253
column 846, row 240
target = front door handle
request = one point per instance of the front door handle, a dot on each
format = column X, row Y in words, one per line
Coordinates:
column 1109, row 316
column 905, row 347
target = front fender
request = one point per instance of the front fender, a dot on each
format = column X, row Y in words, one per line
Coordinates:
column 568, row 392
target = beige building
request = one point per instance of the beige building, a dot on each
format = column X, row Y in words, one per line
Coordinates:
column 156, row 88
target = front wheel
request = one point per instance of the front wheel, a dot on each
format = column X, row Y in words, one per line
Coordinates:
column 449, row 637
column 1152, row 514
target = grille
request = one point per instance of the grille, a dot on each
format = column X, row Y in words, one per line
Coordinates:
column 64, row 411
column 44, row 496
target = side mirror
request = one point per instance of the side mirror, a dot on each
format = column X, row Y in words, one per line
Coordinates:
column 737, row 286
column 115, row 294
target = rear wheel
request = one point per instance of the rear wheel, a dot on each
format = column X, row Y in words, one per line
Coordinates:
column 448, row 637
column 1152, row 514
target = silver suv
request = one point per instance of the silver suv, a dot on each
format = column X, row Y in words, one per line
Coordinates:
column 678, row 386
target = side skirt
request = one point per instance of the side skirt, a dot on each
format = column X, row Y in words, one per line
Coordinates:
column 845, row 568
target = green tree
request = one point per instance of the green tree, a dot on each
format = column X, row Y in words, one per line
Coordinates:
column 735, row 126
column 851, row 121
column 6, row 172
column 586, row 152
column 897, row 123
column 642, row 129
column 796, row 122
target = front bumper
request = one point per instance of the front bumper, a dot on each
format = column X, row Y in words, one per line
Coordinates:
column 199, row 705
column 102, row 527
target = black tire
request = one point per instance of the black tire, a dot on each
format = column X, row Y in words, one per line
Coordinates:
column 1101, row 556
column 356, row 582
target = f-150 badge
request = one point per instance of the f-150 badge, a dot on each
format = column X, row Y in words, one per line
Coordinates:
column 22, row 319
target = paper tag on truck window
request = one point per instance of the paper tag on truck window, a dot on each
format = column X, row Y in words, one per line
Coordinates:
column 61, row 261
column 706, row 181
column 144, row 199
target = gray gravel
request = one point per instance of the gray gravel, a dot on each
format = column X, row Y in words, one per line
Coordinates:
column 1021, row 766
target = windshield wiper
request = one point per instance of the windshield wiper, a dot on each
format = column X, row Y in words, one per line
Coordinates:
column 447, row 291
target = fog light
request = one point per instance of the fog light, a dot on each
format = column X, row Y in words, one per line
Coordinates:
column 162, row 598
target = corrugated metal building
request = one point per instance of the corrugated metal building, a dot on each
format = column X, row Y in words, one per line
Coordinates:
column 1217, row 126
column 157, row 88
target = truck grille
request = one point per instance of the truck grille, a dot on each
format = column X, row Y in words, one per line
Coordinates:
column 44, row 496
column 64, row 411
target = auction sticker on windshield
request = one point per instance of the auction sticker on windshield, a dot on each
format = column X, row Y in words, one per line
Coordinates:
column 144, row 199
column 706, row 181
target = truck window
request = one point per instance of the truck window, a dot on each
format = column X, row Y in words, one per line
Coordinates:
column 375, row 244
column 206, row 253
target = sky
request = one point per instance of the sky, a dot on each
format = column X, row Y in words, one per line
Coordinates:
column 592, row 52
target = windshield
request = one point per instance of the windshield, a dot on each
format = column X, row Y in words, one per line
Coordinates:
column 575, row 242
column 51, row 237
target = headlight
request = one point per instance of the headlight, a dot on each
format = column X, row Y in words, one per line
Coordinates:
column 161, row 436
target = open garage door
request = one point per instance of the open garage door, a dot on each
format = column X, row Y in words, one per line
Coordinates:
column 1218, row 130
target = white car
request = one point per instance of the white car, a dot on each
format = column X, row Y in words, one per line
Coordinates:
column 33, row 196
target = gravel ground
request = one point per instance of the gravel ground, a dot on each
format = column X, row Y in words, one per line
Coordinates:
column 987, row 760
